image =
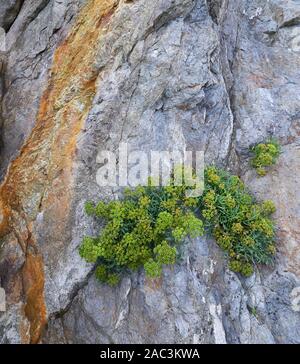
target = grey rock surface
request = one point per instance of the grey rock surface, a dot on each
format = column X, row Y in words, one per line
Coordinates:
column 9, row 10
column 218, row 76
column 30, row 43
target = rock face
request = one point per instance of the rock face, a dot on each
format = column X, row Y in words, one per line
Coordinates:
column 83, row 76
column 9, row 11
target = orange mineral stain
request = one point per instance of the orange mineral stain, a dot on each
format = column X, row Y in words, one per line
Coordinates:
column 40, row 178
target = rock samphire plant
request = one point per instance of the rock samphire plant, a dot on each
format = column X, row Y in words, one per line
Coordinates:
column 145, row 228
column 149, row 224
column 241, row 226
column 265, row 155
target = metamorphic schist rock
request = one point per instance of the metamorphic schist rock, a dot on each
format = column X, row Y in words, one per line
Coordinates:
column 82, row 75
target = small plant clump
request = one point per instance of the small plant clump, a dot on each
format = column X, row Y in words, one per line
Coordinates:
column 144, row 229
column 147, row 227
column 265, row 155
column 241, row 227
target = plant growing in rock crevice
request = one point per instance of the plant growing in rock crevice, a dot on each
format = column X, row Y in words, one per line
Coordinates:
column 265, row 155
column 147, row 227
column 241, row 226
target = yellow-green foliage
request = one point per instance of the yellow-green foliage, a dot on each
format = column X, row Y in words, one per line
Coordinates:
column 146, row 228
column 240, row 226
column 265, row 155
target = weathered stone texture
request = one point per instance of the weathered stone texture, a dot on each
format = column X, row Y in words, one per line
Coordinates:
column 83, row 76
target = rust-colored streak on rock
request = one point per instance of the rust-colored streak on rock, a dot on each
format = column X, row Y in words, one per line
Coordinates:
column 40, row 179
column 33, row 282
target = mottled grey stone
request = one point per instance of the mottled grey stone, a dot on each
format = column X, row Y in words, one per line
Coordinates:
column 30, row 44
column 8, row 12
column 216, row 76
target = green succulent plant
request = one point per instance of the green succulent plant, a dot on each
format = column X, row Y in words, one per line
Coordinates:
column 144, row 229
column 241, row 226
column 147, row 227
column 265, row 155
